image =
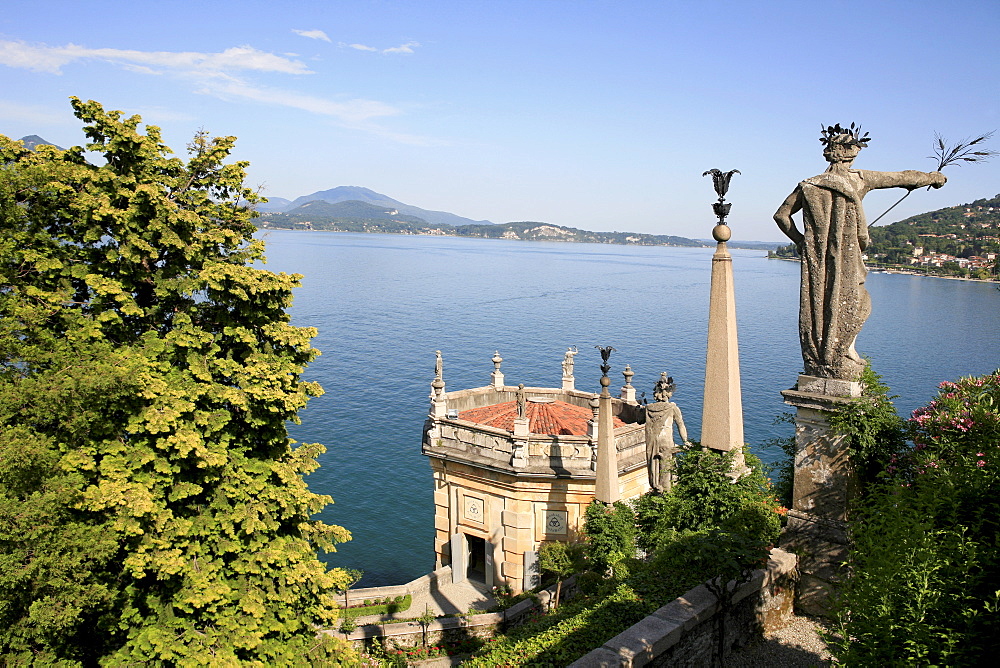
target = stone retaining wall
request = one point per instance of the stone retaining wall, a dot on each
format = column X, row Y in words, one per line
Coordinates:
column 451, row 629
column 358, row 596
column 685, row 632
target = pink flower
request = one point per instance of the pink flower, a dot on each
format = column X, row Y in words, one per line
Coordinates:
column 980, row 454
column 980, row 463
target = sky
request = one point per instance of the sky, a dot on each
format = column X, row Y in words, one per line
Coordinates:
column 592, row 114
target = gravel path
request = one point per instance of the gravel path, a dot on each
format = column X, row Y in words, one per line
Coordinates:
column 796, row 645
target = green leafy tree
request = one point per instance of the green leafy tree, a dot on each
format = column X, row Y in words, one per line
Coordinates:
column 562, row 560
column 610, row 532
column 349, row 578
column 706, row 498
column 152, row 506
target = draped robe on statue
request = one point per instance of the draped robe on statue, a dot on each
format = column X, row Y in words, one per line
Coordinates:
column 834, row 303
column 660, row 418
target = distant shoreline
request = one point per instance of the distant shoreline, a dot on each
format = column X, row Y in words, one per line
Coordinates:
column 903, row 272
column 763, row 246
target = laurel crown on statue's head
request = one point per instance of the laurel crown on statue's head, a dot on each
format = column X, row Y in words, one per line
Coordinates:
column 851, row 136
column 664, row 387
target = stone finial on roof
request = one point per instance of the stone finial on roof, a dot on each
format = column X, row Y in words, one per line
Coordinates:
column 497, row 375
column 628, row 392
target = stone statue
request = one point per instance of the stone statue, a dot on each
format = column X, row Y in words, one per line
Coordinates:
column 567, row 363
column 438, row 365
column 834, row 304
column 660, row 418
column 522, row 401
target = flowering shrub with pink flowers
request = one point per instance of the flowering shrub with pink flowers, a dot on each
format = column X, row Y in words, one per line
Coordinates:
column 924, row 585
column 959, row 430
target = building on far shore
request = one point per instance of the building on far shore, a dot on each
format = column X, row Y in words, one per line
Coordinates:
column 514, row 467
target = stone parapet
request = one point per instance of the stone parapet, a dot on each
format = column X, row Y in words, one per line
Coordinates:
column 571, row 456
column 685, row 631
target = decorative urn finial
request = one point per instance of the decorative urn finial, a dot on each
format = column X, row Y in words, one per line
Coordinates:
column 605, row 367
column 720, row 180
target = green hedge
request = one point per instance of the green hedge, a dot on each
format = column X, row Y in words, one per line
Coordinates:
column 388, row 606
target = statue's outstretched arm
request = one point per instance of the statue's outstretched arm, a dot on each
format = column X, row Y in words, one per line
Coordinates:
column 783, row 217
column 908, row 178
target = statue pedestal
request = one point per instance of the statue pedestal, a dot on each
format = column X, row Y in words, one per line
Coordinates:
column 823, row 486
column 519, row 457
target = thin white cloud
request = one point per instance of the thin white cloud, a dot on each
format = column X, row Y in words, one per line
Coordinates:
column 223, row 75
column 312, row 34
column 51, row 59
column 356, row 114
column 351, row 111
column 402, row 48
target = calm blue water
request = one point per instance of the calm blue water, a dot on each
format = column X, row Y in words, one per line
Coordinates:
column 383, row 304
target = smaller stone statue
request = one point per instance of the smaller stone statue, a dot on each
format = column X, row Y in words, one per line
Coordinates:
column 567, row 363
column 438, row 365
column 660, row 418
column 522, row 401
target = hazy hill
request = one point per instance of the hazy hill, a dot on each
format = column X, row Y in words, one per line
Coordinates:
column 359, row 194
column 320, row 210
column 357, row 216
column 961, row 240
column 357, row 209
column 963, row 231
column 34, row 141
column 274, row 204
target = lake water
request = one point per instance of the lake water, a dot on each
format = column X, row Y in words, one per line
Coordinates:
column 383, row 304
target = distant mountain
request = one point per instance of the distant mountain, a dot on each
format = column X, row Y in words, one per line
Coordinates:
column 274, row 204
column 356, row 209
column 34, row 141
column 359, row 194
column 356, row 216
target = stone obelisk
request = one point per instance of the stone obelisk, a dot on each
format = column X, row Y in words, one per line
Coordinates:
column 606, row 486
column 722, row 411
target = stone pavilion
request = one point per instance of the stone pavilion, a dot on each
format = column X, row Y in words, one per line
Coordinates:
column 514, row 467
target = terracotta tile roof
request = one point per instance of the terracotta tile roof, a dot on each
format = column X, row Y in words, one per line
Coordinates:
column 551, row 417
